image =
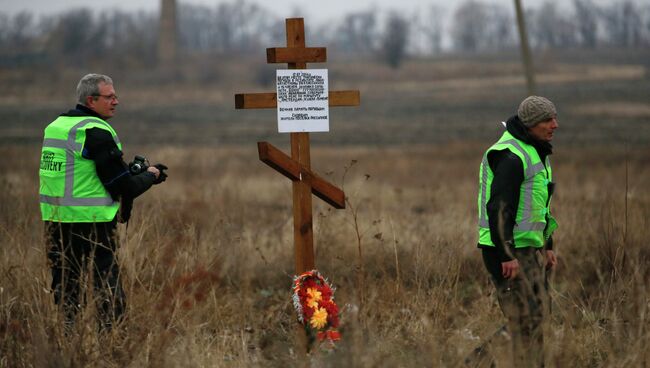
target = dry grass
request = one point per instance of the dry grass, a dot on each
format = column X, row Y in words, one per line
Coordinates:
column 208, row 257
column 601, row 96
column 615, row 110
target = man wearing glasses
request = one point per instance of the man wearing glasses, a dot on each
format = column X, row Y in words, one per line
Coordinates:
column 85, row 189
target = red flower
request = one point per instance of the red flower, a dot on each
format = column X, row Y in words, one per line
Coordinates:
column 309, row 283
column 333, row 335
column 308, row 312
column 323, row 302
column 326, row 293
column 329, row 335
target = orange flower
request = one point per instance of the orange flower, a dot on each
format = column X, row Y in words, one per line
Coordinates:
column 314, row 297
column 319, row 319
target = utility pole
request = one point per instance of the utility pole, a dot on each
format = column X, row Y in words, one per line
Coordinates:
column 525, row 50
column 167, row 45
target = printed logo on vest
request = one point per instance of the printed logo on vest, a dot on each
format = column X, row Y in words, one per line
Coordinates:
column 48, row 163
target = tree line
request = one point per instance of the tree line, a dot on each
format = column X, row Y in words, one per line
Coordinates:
column 240, row 27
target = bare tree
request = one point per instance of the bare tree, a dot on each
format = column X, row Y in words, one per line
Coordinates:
column 586, row 20
column 19, row 38
column 129, row 37
column 357, row 33
column 623, row 24
column 433, row 29
column 75, row 36
column 646, row 30
column 480, row 27
column 470, row 21
column 239, row 26
column 78, row 37
column 20, row 29
column 551, row 28
column 395, row 39
column 501, row 31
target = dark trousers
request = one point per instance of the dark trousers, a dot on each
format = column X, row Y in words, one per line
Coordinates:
column 524, row 302
column 80, row 252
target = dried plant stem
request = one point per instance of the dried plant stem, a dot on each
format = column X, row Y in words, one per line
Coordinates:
column 623, row 246
column 397, row 276
column 360, row 266
column 354, row 210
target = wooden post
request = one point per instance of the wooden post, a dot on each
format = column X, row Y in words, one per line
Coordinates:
column 167, row 47
column 303, row 233
column 525, row 50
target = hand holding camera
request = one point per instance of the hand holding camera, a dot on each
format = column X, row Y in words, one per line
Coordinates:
column 140, row 164
column 162, row 176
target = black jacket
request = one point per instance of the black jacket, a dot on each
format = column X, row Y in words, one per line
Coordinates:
column 504, row 192
column 111, row 169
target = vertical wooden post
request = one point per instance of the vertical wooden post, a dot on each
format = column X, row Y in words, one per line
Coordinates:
column 167, row 45
column 303, row 237
column 302, row 207
column 525, row 49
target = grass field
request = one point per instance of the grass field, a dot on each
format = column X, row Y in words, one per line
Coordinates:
column 211, row 231
column 207, row 259
column 601, row 98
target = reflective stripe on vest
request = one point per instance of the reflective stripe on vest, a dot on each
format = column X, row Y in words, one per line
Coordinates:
column 532, row 211
column 71, row 147
column 531, row 170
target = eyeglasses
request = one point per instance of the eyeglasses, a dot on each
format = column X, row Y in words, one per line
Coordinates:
column 108, row 97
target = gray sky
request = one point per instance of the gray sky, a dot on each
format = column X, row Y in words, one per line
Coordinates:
column 285, row 8
column 320, row 10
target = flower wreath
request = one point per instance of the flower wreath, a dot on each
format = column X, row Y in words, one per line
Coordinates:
column 313, row 299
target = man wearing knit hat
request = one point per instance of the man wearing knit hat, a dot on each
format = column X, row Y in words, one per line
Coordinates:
column 515, row 223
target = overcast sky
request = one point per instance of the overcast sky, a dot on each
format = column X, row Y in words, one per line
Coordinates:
column 319, row 10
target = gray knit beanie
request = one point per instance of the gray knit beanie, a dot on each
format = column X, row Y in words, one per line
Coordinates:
column 535, row 109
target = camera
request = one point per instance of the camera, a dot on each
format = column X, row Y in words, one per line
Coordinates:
column 139, row 165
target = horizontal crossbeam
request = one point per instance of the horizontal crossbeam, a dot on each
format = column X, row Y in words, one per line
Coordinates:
column 294, row 171
column 296, row 55
column 269, row 100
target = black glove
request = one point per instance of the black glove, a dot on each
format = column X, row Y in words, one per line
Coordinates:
column 162, row 176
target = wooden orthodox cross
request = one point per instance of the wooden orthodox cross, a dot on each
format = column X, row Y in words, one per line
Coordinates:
column 298, row 167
